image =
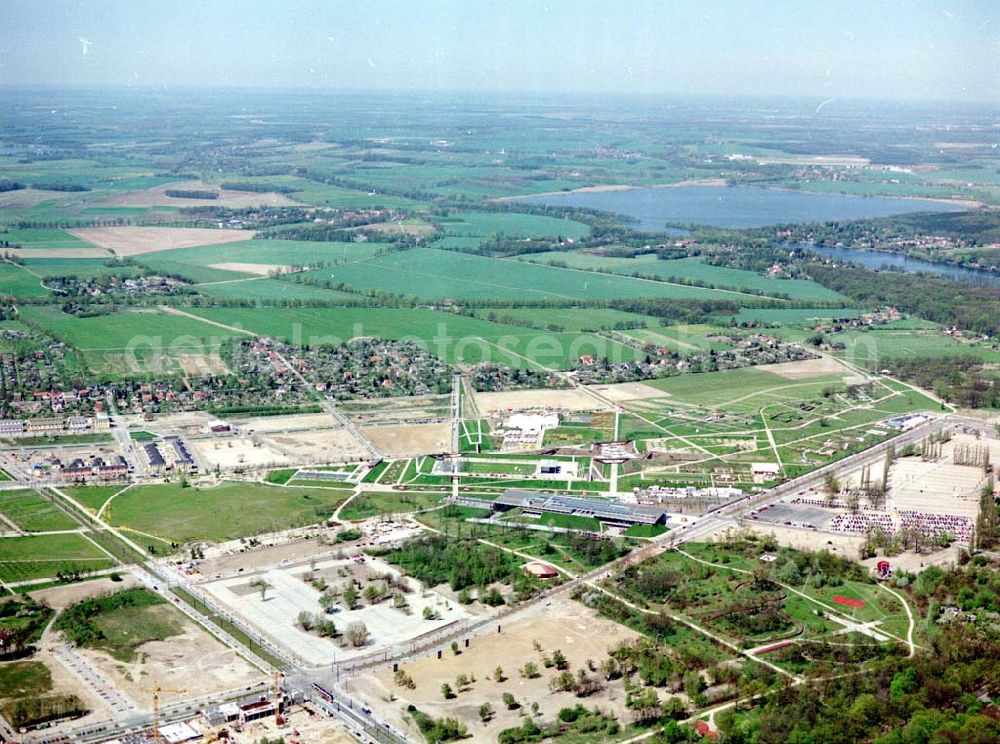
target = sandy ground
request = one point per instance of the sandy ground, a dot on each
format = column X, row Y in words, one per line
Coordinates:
column 157, row 197
column 318, row 445
column 303, row 725
column 806, row 368
column 295, row 422
column 233, row 452
column 197, row 365
column 185, row 422
column 61, row 597
column 193, row 661
column 625, row 391
column 252, row 268
column 135, row 241
column 268, row 558
column 568, row 400
column 565, row 625
column 409, row 439
column 802, row 539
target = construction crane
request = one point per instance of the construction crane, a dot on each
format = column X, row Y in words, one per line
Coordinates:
column 156, row 690
column 276, row 696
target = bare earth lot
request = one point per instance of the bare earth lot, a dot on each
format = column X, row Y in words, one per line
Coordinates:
column 135, row 241
column 625, row 391
column 806, row 368
column 193, row 661
column 410, row 439
column 564, row 625
column 569, row 400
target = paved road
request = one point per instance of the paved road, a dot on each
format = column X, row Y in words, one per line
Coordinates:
column 95, row 680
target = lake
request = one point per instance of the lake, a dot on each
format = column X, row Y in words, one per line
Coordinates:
column 737, row 206
column 899, row 262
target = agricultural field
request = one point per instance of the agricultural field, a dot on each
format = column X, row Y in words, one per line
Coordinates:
column 458, row 276
column 691, row 270
column 510, row 225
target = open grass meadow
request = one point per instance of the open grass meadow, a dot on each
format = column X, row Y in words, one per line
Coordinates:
column 17, row 281
column 44, row 556
column 429, row 273
column 137, row 328
column 270, row 253
column 511, row 225
column 228, row 511
column 32, row 512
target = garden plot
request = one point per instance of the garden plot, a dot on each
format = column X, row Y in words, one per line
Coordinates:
column 275, row 611
column 565, row 625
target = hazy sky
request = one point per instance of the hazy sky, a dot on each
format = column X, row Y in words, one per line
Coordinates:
column 947, row 49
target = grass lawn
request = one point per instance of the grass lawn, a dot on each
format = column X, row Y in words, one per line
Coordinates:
column 225, row 512
column 43, row 556
column 32, row 512
column 281, row 477
column 22, row 679
column 373, row 503
column 92, row 497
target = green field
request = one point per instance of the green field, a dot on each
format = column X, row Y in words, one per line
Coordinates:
column 43, row 238
column 92, row 497
column 43, row 556
column 374, row 503
column 692, row 270
column 270, row 252
column 225, row 512
column 17, row 281
column 714, row 388
column 138, row 329
column 428, row 273
column 32, row 512
column 511, row 225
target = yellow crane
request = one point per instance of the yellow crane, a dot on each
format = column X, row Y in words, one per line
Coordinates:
column 156, row 690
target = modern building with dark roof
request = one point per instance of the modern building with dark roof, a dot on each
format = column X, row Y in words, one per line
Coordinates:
column 612, row 512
